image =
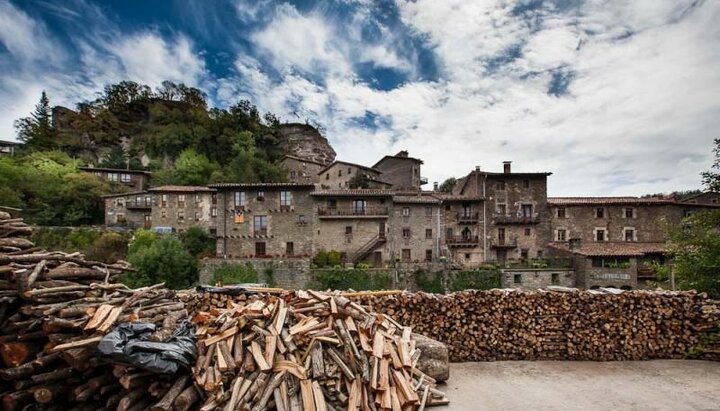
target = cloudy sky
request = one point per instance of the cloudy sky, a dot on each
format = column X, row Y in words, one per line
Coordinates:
column 614, row 97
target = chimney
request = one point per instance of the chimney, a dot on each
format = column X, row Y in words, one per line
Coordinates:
column 477, row 169
column 436, row 187
column 507, row 167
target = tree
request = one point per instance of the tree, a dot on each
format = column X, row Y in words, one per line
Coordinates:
column 198, row 242
column 37, row 131
column 448, row 185
column 711, row 178
column 695, row 248
column 115, row 158
column 163, row 260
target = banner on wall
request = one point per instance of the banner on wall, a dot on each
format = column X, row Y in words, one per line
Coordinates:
column 239, row 217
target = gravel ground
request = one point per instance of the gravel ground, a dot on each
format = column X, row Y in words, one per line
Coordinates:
column 566, row 385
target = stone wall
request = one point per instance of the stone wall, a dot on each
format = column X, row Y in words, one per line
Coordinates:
column 535, row 278
column 291, row 273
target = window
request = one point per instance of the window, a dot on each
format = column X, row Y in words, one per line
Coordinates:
column 181, row 200
column 406, row 233
column 285, row 198
column 260, row 249
column 629, row 212
column 112, row 177
column 561, row 212
column 629, row 234
column 406, row 211
column 292, row 174
column 526, row 183
column 527, row 231
column 213, row 212
column 502, row 209
column 428, row 233
column 599, row 212
column 197, row 216
column 517, row 278
column 339, row 173
column 524, row 253
column 500, row 185
column 119, row 218
column 561, row 235
column 555, row 278
column 198, row 198
column 358, row 206
column 163, row 200
column 349, row 170
column 260, row 195
column 301, row 219
column 260, row 224
column 214, row 198
column 467, row 256
column 406, row 254
column 540, row 254
column 467, row 211
column 449, row 232
column 428, row 211
column 348, row 230
column 327, row 176
column 125, row 178
column 428, row 255
column 120, row 202
column 599, row 235
column 138, row 200
column 163, row 214
column 148, row 201
column 181, row 215
column 290, row 248
column 240, row 199
column 527, row 210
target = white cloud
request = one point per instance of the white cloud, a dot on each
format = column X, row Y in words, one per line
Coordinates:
column 24, row 38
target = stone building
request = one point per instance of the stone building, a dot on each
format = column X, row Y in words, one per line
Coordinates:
column 176, row 208
column 414, row 228
column 8, row 148
column 708, row 198
column 131, row 210
column 344, row 175
column 135, row 180
column 300, row 170
column 401, row 171
column 265, row 220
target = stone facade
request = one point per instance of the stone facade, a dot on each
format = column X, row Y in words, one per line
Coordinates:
column 135, row 180
column 533, row 279
column 180, row 207
column 414, row 229
column 131, row 210
column 300, row 170
column 401, row 171
column 265, row 220
column 340, row 174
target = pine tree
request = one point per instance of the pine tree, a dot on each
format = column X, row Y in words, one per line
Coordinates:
column 37, row 131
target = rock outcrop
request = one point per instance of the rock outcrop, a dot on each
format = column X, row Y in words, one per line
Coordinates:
column 305, row 141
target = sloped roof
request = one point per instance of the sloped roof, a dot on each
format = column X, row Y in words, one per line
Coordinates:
column 416, row 199
column 356, row 192
column 129, row 193
column 399, row 157
column 612, row 249
column 349, row 164
column 571, row 201
column 261, row 185
column 304, row 160
column 115, row 170
column 181, row 189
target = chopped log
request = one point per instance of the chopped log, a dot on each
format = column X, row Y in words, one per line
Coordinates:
column 166, row 403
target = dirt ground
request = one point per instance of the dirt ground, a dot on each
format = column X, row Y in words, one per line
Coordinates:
column 565, row 385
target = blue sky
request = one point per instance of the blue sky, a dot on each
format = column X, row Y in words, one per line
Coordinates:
column 614, row 97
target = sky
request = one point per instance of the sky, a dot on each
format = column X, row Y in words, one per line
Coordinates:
column 614, row 97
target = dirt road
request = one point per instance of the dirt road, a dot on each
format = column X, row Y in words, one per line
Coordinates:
column 564, row 385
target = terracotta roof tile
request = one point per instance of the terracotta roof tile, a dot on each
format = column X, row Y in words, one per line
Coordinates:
column 570, row 201
column 182, row 189
column 608, row 249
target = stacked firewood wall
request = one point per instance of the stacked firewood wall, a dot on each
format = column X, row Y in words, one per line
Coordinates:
column 577, row 325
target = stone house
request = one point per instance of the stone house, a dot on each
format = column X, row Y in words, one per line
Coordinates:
column 131, row 210
column 300, row 170
column 708, row 198
column 341, row 175
column 414, row 228
column 8, row 148
column 177, row 208
column 265, row 220
column 401, row 171
column 135, row 180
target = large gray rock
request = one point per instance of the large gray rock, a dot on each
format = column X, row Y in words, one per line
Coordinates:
column 434, row 358
column 305, row 141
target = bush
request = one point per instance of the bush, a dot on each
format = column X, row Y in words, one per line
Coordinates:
column 475, row 280
column 108, row 248
column 331, row 258
column 163, row 260
column 429, row 282
column 198, row 242
column 349, row 278
column 227, row 274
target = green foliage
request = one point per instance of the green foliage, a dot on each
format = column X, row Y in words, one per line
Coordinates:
column 448, row 185
column 351, row 279
column 475, row 280
column 37, row 131
column 198, row 242
column 164, row 260
column 325, row 259
column 107, row 247
column 227, row 274
column 711, row 178
column 429, row 282
column 695, row 248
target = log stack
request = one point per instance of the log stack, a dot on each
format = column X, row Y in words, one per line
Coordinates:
column 306, row 351
column 54, row 309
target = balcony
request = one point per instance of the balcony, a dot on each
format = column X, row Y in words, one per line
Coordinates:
column 462, row 241
column 468, row 218
column 138, row 205
column 504, row 219
column 503, row 243
column 350, row 212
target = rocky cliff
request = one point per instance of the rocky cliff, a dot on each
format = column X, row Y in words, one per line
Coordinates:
column 305, row 141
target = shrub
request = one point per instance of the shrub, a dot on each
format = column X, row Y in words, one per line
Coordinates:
column 163, row 260
column 108, row 248
column 227, row 274
column 429, row 282
column 350, row 278
column 198, row 242
column 475, row 280
column 330, row 258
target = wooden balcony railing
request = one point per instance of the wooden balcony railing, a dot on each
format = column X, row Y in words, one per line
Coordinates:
column 468, row 218
column 462, row 240
column 353, row 212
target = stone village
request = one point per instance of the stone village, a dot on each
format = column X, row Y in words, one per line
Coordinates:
column 381, row 216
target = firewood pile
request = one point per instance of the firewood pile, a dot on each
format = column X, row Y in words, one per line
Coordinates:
column 305, row 350
column 574, row 325
column 54, row 309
